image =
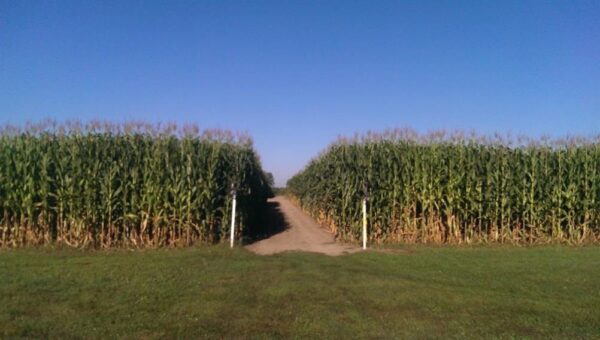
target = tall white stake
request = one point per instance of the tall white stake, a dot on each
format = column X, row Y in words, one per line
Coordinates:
column 364, row 236
column 232, row 238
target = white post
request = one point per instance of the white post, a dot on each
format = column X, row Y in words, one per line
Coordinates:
column 364, row 236
column 233, row 221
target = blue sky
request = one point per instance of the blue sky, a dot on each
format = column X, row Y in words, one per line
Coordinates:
column 296, row 74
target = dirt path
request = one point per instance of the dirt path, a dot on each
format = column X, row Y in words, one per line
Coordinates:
column 300, row 233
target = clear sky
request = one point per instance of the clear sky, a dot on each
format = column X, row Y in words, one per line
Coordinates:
column 296, row 74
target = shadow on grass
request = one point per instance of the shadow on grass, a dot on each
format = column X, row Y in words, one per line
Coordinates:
column 270, row 222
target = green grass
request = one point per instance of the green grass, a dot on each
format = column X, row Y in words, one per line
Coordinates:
column 499, row 292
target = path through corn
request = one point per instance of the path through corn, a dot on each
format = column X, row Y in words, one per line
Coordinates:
column 300, row 233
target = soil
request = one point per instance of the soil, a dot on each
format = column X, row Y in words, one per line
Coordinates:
column 297, row 231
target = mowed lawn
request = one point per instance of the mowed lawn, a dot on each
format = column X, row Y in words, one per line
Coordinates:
column 431, row 292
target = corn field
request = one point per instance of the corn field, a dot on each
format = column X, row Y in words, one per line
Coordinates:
column 448, row 188
column 134, row 185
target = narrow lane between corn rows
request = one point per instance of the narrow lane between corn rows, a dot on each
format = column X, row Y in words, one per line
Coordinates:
column 300, row 233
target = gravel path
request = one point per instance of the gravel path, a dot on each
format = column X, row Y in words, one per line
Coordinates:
column 300, row 233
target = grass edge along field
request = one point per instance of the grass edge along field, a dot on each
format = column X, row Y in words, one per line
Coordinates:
column 445, row 188
column 130, row 184
column 549, row 292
